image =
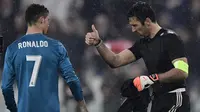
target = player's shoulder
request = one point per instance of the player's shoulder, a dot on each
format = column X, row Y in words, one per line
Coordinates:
column 54, row 42
column 168, row 33
column 13, row 46
column 51, row 39
column 57, row 44
column 171, row 36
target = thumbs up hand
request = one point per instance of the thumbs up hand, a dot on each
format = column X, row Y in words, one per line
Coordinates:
column 92, row 38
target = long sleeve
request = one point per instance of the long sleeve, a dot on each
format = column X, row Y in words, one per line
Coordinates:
column 68, row 74
column 7, row 83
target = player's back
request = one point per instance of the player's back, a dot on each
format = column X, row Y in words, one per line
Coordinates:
column 35, row 60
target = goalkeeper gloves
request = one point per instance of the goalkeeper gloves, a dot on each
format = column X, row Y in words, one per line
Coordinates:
column 143, row 82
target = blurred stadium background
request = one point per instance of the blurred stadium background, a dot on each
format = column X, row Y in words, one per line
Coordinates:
column 71, row 19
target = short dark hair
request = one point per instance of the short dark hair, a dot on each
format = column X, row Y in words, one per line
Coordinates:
column 34, row 12
column 142, row 10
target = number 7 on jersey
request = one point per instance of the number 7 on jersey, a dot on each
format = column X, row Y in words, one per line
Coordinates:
column 37, row 61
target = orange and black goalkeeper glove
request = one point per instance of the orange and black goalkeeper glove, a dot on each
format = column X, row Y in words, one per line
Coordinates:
column 143, row 82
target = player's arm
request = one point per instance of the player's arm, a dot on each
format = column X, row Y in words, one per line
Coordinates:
column 8, row 78
column 70, row 77
column 178, row 59
column 113, row 60
column 179, row 72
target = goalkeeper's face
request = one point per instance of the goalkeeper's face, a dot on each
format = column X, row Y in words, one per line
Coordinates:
column 138, row 27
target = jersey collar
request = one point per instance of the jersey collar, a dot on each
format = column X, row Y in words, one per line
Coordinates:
column 159, row 33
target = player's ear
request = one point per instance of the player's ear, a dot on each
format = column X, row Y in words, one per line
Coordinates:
column 41, row 20
column 147, row 22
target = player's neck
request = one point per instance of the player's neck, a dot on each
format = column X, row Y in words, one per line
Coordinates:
column 154, row 30
column 33, row 30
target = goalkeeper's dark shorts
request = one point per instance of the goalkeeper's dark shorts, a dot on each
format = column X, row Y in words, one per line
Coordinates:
column 171, row 102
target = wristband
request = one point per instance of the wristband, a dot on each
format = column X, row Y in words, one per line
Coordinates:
column 99, row 43
column 154, row 77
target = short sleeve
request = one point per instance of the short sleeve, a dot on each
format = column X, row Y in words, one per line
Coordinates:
column 175, row 47
column 135, row 49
